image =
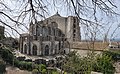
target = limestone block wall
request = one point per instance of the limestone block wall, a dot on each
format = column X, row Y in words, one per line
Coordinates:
column 73, row 29
column 61, row 21
column 70, row 29
column 56, row 47
column 83, row 53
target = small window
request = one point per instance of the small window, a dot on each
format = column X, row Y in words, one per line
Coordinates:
column 74, row 31
column 74, row 35
column 74, row 25
column 74, row 20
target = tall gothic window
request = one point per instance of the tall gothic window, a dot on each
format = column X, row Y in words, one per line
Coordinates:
column 34, row 50
column 25, row 49
column 49, row 31
column 46, row 50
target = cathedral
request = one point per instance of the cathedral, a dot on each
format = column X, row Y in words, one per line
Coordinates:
column 50, row 36
column 2, row 29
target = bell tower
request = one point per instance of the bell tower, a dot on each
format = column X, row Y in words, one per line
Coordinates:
column 73, row 29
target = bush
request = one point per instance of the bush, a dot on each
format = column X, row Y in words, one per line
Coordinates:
column 35, row 66
column 115, row 56
column 101, row 63
column 29, row 66
column 104, row 64
column 2, row 66
column 35, row 71
column 41, row 67
column 55, row 72
column 44, row 71
column 23, row 64
column 6, row 55
column 76, row 65
column 16, row 62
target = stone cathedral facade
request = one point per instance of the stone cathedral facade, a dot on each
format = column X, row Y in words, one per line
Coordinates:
column 2, row 29
column 50, row 36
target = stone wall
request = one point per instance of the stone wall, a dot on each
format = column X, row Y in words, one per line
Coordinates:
column 99, row 46
column 83, row 53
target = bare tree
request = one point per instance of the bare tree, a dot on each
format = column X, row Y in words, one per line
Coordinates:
column 18, row 12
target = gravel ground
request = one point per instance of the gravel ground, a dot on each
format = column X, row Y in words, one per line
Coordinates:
column 14, row 70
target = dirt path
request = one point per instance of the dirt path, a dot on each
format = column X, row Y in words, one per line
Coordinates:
column 14, row 70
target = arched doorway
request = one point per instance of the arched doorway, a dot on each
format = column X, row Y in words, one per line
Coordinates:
column 34, row 50
column 25, row 49
column 46, row 50
column 29, row 51
column 64, row 52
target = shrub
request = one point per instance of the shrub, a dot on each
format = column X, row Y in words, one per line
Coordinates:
column 55, row 72
column 6, row 55
column 29, row 66
column 2, row 66
column 16, row 62
column 44, row 71
column 115, row 56
column 35, row 66
column 84, row 65
column 23, row 64
column 35, row 71
column 41, row 67
column 104, row 64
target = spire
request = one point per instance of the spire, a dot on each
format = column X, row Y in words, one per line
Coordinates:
column 57, row 14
